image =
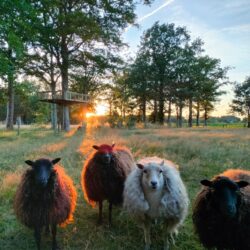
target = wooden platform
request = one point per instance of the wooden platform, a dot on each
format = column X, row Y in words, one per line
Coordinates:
column 70, row 99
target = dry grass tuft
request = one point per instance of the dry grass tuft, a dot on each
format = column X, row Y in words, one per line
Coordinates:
column 10, row 181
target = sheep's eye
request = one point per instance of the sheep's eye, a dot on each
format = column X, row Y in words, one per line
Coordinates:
column 160, row 171
column 145, row 171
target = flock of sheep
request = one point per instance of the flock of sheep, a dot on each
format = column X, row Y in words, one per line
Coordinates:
column 151, row 190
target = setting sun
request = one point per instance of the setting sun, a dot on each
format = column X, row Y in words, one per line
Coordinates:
column 100, row 110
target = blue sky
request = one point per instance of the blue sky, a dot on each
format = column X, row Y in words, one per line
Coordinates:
column 223, row 25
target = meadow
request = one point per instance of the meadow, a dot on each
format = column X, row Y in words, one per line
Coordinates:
column 199, row 152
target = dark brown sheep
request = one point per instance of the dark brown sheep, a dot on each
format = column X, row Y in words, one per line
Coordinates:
column 104, row 174
column 45, row 198
column 221, row 212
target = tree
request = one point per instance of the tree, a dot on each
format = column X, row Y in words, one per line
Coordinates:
column 43, row 66
column 139, row 82
column 162, row 44
column 71, row 28
column 241, row 101
column 14, row 32
column 169, row 69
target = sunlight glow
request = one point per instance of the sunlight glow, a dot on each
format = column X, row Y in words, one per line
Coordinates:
column 100, row 110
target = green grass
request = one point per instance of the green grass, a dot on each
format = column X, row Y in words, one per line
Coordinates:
column 200, row 153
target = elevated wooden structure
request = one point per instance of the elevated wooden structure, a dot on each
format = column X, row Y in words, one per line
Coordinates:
column 70, row 98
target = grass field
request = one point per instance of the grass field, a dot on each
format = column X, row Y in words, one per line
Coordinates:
column 200, row 153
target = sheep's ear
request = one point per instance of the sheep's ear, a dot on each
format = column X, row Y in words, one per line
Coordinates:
column 55, row 161
column 206, row 183
column 95, row 147
column 140, row 166
column 30, row 163
column 242, row 184
column 162, row 163
column 113, row 145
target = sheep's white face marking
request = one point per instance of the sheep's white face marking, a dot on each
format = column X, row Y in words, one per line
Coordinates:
column 152, row 177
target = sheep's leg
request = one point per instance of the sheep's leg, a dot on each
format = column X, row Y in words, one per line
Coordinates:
column 54, row 231
column 100, row 213
column 37, row 234
column 146, row 229
column 166, row 242
column 110, row 213
column 168, row 237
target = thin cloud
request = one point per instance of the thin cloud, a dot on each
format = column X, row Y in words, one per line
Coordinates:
column 151, row 13
column 155, row 11
column 243, row 28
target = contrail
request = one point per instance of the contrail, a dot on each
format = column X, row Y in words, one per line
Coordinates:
column 152, row 13
column 155, row 11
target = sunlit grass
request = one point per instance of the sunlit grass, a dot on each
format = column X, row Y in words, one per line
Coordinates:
column 200, row 153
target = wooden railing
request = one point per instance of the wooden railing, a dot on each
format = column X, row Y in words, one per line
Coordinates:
column 70, row 96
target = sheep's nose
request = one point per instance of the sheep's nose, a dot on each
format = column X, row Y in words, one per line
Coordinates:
column 107, row 157
column 231, row 210
column 153, row 183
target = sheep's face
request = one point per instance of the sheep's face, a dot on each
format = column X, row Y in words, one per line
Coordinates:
column 42, row 170
column 152, row 177
column 225, row 196
column 104, row 153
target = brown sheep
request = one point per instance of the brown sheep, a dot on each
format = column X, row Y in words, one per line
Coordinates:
column 45, row 197
column 104, row 174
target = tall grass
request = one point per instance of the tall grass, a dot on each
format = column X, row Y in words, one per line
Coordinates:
column 200, row 153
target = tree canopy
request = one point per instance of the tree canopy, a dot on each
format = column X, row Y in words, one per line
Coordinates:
column 241, row 101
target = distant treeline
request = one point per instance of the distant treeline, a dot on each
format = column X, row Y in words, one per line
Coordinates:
column 76, row 45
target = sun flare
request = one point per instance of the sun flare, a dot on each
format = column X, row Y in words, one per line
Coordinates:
column 100, row 109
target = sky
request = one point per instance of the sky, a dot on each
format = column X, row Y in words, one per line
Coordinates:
column 224, row 26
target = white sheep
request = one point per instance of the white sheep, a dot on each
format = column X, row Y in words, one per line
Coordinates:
column 155, row 190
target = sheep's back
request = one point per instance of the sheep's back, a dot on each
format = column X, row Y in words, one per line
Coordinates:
column 240, row 175
column 124, row 161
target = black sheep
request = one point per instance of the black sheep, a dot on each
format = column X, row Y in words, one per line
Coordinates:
column 45, row 198
column 221, row 213
column 104, row 174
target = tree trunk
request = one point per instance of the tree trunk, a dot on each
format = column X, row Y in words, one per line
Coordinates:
column 110, row 108
column 161, row 105
column 248, row 118
column 177, row 116
column 53, row 108
column 10, row 113
column 7, row 113
column 205, row 117
column 190, row 117
column 180, row 116
column 144, row 110
column 198, row 115
column 65, row 82
column 169, row 113
column 155, row 111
